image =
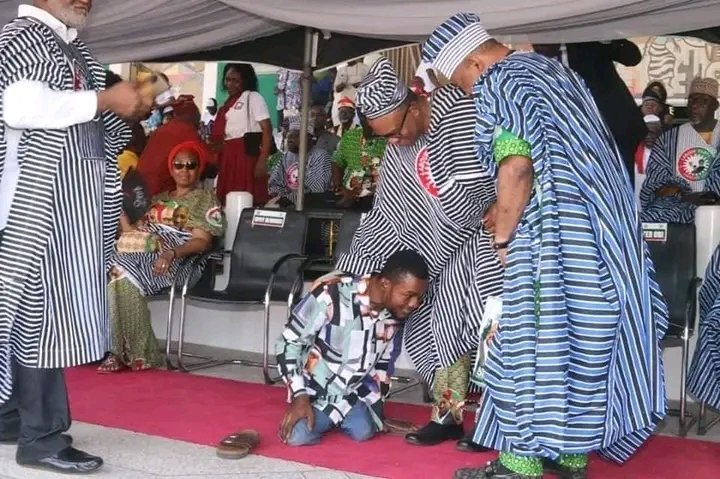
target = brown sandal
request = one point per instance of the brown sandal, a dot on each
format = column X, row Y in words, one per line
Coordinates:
column 399, row 427
column 111, row 364
column 238, row 444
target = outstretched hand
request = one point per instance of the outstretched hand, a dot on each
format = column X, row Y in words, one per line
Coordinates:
column 300, row 408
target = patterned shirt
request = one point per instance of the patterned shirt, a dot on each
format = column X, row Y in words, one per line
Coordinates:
column 360, row 159
column 339, row 351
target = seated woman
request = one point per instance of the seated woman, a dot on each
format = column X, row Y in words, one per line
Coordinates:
column 179, row 223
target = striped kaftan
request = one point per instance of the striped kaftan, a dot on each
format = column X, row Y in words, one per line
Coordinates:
column 584, row 370
column 663, row 169
column 704, row 376
column 465, row 190
column 409, row 213
column 60, row 233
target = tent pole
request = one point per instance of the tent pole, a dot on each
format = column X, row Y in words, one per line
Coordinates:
column 304, row 116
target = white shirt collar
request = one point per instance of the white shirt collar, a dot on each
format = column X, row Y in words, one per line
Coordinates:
column 67, row 34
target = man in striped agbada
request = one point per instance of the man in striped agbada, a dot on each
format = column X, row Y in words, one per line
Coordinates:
column 576, row 364
column 410, row 212
column 60, row 202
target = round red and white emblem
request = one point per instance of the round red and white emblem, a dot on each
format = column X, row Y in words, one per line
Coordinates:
column 424, row 175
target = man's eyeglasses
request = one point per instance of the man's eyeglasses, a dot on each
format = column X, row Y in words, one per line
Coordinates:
column 188, row 165
column 397, row 133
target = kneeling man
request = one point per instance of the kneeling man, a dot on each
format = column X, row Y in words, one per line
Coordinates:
column 338, row 350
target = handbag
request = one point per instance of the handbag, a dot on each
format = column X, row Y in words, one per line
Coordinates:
column 253, row 139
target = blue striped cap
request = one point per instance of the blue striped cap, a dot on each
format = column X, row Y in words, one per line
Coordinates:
column 381, row 92
column 451, row 42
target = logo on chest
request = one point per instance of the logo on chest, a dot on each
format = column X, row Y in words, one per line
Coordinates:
column 423, row 173
column 80, row 79
column 292, row 177
column 694, row 164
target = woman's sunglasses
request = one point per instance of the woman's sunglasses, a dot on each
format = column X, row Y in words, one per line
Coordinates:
column 189, row 165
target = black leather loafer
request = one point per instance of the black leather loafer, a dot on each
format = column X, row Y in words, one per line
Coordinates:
column 434, row 433
column 67, row 461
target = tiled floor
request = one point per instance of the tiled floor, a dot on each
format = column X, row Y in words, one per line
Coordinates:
column 130, row 455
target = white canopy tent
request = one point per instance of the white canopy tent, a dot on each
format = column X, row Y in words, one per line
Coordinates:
column 135, row 30
column 140, row 30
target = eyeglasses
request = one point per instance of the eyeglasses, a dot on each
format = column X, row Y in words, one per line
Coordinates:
column 189, row 165
column 397, row 134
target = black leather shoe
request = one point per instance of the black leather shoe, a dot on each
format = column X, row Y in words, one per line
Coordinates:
column 466, row 444
column 563, row 472
column 433, row 433
column 13, row 440
column 67, row 461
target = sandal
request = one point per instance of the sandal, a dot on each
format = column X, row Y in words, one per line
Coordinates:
column 238, row 445
column 141, row 365
column 399, row 427
column 111, row 364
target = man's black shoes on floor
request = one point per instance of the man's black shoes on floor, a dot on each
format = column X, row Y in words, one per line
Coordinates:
column 67, row 461
column 563, row 472
column 466, row 444
column 434, row 433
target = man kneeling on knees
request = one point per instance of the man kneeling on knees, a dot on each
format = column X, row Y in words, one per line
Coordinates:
column 339, row 347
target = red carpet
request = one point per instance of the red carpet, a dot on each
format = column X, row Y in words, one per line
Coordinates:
column 202, row 410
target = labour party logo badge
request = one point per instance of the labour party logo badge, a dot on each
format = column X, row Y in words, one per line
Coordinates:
column 422, row 170
column 694, row 163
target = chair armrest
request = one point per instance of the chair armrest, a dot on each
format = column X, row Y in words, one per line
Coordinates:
column 691, row 302
column 275, row 269
column 297, row 282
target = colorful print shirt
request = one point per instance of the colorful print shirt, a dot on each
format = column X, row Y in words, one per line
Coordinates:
column 199, row 209
column 339, row 351
column 360, row 159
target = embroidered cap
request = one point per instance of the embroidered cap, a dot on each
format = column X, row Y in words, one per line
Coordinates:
column 704, row 86
column 381, row 92
column 452, row 41
column 294, row 124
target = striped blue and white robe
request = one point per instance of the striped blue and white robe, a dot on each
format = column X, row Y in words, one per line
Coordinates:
column 663, row 170
column 60, row 233
column 585, row 371
column 704, row 376
column 284, row 178
column 465, row 190
column 408, row 213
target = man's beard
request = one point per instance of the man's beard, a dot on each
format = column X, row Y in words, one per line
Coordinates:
column 70, row 17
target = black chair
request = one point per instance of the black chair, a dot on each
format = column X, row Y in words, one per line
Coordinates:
column 674, row 252
column 261, row 272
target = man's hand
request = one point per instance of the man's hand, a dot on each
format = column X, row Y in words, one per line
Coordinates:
column 668, row 190
column 124, row 99
column 488, row 219
column 299, row 408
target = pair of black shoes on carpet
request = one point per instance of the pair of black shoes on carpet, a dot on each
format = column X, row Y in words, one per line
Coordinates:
column 434, row 433
column 65, row 461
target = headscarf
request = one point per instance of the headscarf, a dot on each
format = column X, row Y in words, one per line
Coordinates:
column 381, row 92
column 194, row 146
column 452, row 41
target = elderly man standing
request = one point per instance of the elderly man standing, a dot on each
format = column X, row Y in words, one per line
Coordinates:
column 683, row 171
column 59, row 207
column 408, row 213
column 576, row 363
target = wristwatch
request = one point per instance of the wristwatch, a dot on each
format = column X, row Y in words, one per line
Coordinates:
column 502, row 245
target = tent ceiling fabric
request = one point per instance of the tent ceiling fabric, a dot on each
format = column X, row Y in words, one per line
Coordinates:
column 538, row 21
column 134, row 30
column 286, row 49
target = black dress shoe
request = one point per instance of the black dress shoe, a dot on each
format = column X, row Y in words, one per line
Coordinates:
column 13, row 440
column 466, row 444
column 67, row 461
column 434, row 433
